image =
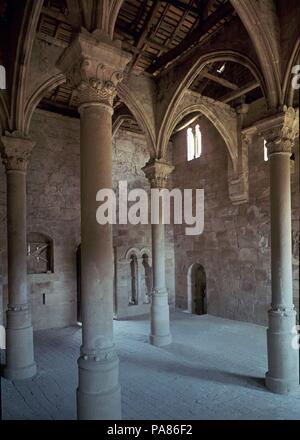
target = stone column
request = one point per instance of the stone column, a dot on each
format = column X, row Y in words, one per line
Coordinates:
column 157, row 173
column 20, row 363
column 283, row 361
column 94, row 67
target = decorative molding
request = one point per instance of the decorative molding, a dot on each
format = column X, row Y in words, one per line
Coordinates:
column 280, row 132
column 94, row 66
column 15, row 151
column 157, row 172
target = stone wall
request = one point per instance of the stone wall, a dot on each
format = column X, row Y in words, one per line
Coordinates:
column 130, row 154
column 234, row 248
column 53, row 205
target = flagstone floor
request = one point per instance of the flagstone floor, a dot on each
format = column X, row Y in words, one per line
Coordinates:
column 214, row 369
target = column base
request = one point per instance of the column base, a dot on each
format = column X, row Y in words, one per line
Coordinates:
column 20, row 373
column 19, row 351
column 281, row 386
column 99, row 392
column 160, row 341
column 283, row 356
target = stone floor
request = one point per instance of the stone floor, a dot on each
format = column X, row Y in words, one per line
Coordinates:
column 214, row 369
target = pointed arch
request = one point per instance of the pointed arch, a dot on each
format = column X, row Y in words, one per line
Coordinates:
column 138, row 112
column 260, row 21
column 225, row 132
column 210, row 57
column 113, row 15
column 22, row 60
column 38, row 95
column 287, row 88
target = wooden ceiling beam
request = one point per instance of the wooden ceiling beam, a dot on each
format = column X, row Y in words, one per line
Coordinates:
column 145, row 30
column 155, row 45
column 181, row 21
column 217, row 79
column 181, row 5
column 242, row 91
column 192, row 38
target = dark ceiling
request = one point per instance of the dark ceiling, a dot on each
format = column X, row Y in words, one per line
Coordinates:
column 157, row 33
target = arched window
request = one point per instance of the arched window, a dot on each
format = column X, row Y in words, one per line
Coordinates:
column 194, row 143
column 190, row 144
column 265, row 151
column 198, row 141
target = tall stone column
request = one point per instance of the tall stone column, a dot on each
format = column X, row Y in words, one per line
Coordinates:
column 94, row 67
column 19, row 334
column 157, row 173
column 283, row 359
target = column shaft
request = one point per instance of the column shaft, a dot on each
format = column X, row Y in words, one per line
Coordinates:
column 157, row 172
column 19, row 333
column 98, row 395
column 160, row 320
column 283, row 358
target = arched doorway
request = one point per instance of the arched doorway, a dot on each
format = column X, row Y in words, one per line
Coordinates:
column 147, row 278
column 134, row 280
column 78, row 277
column 197, row 295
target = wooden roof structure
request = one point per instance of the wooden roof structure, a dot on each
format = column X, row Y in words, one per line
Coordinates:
column 157, row 33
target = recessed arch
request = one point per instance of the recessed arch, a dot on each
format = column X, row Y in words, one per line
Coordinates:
column 223, row 130
column 131, row 251
column 187, row 80
column 196, row 289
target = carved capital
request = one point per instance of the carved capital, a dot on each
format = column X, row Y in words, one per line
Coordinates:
column 15, row 152
column 280, row 136
column 157, row 172
column 94, row 66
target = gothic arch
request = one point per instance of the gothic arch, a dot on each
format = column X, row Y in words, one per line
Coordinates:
column 123, row 92
column 138, row 112
column 188, row 79
column 287, row 89
column 264, row 37
column 114, row 12
column 21, row 67
column 209, row 112
column 38, row 95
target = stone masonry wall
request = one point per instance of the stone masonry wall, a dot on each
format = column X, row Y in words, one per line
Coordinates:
column 234, row 248
column 53, row 207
